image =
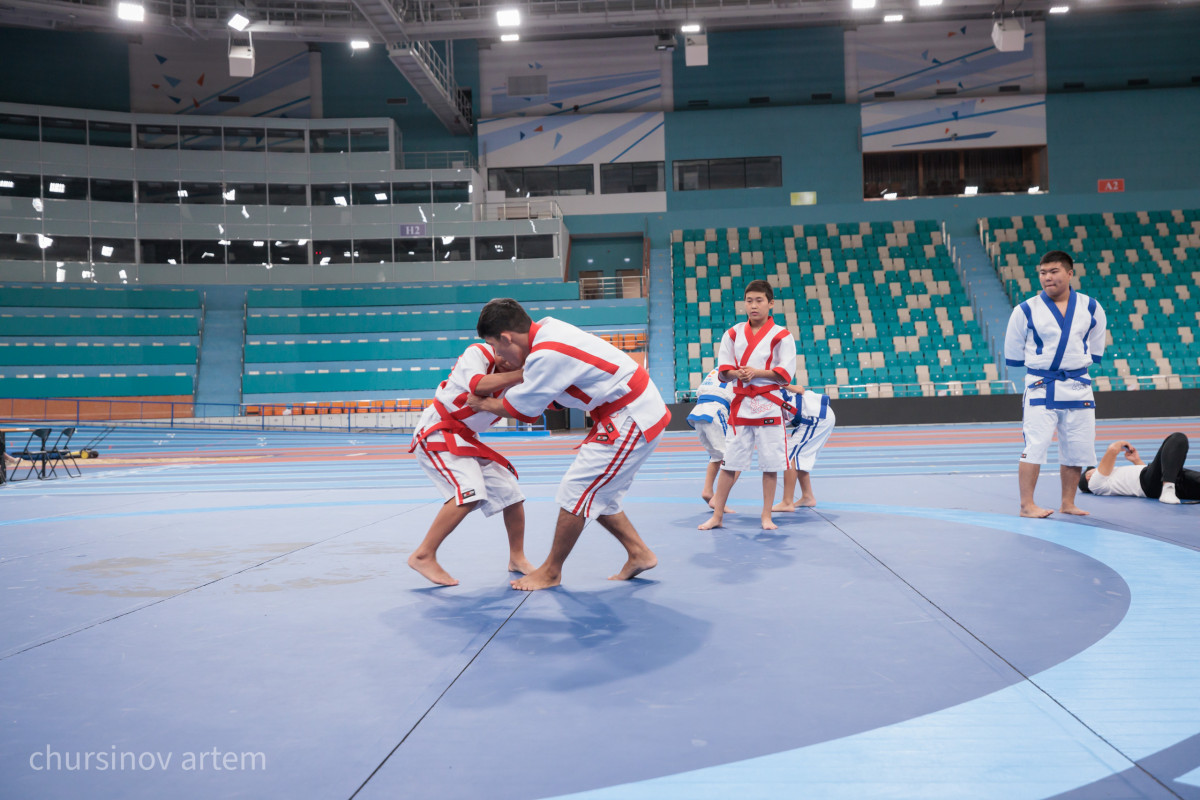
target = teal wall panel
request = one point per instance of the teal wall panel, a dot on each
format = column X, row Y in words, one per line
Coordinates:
column 58, row 68
column 1107, row 51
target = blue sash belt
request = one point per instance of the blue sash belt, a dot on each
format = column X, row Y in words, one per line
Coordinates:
column 1051, row 377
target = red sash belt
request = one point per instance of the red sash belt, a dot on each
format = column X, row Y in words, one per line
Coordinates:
column 603, row 430
column 742, row 392
column 457, row 438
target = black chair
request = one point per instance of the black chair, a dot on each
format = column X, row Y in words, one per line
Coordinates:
column 60, row 452
column 36, row 457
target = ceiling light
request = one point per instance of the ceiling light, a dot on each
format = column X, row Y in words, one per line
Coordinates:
column 929, row 2
column 1034, row 189
column 862, row 4
column 691, row 27
column 341, row 201
column 359, row 44
column 133, row 12
column 238, row 22
column 7, row 184
column 380, row 196
column 890, row 195
column 44, row 241
column 106, row 250
column 508, row 18
column 231, row 195
column 510, row 37
column 1059, row 9
column 893, row 18
column 182, row 192
column 58, row 188
column 971, row 190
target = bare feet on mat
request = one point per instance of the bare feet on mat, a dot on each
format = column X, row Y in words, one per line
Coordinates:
column 808, row 501
column 540, row 578
column 636, row 566
column 432, row 570
column 768, row 524
column 1034, row 511
column 713, row 522
column 1074, row 509
column 728, row 510
column 520, row 564
column 784, row 507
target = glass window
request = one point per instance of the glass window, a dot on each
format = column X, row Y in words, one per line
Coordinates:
column 158, row 192
column 412, row 193
column 368, row 140
column 245, row 140
column 410, row 250
column 247, row 251
column 112, row 191
column 65, row 248
column 287, row 194
column 199, row 137
column 691, row 176
column 203, row 251
column 23, row 127
column 160, row 251
column 451, row 248
column 110, row 134
column 764, row 172
column 55, row 187
column 331, row 194
column 371, row 194
column 451, row 192
column 289, row 252
column 576, row 180
column 335, row 141
column 372, row 251
column 250, row 194
column 541, row 181
column 494, row 248
column 534, row 246
column 726, row 173
column 333, row 251
column 208, row 194
column 20, row 247
column 285, row 140
column 114, row 250
column 157, row 137
column 510, row 180
column 16, row 185
column 642, row 176
column 64, row 131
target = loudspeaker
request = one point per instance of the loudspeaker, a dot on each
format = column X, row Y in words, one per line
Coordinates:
column 241, row 61
column 695, row 50
column 1008, row 36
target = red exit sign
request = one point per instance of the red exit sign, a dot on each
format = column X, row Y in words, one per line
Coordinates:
column 1110, row 185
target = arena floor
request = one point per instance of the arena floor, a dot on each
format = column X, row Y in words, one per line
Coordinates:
column 230, row 614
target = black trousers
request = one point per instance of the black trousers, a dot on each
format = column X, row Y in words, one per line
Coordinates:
column 1167, row 467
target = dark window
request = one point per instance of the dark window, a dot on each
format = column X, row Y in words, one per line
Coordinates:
column 335, row 141
column 372, row 251
column 451, row 192
column 287, row 194
column 112, row 191
column 157, row 137
column 208, row 194
column 691, row 176
column 288, row 252
column 248, row 251
column 728, row 173
column 110, row 134
column 331, row 194
column 203, row 251
column 495, row 248
column 64, row 131
column 250, row 194
column 16, row 185
column 19, row 126
column 764, row 172
column 926, row 173
column 285, row 140
column 410, row 250
column 114, row 250
column 411, row 193
column 368, row 140
column 160, row 251
column 333, row 251
column 543, row 181
column 510, row 180
column 55, row 187
column 65, row 248
column 371, row 194
column 641, row 176
column 535, row 246
column 245, row 140
column 451, row 248
column 199, row 137
column 20, row 247
column 158, row 192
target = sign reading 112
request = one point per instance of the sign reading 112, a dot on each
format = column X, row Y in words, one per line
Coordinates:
column 413, row 230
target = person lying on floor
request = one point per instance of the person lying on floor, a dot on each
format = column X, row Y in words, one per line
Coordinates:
column 1164, row 479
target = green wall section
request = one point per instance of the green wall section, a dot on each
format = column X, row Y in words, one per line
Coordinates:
column 606, row 253
column 72, row 70
column 1107, row 51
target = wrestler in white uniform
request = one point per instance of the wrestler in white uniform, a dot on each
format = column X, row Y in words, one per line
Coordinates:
column 811, row 423
column 710, row 417
column 462, row 467
column 1056, row 350
column 576, row 369
column 756, row 414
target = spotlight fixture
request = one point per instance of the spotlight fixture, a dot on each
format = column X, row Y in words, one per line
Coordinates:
column 690, row 27
column 131, row 12
column 1059, row 9
column 862, row 5
column 238, row 22
column 666, row 41
column 971, row 190
column 510, row 37
column 508, row 18
column 929, row 2
column 893, row 18
column 359, row 44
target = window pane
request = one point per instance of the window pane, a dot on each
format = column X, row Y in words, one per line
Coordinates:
column 15, row 185
column 691, row 176
column 247, row 251
column 157, row 137
column 511, row 180
column 110, row 134
column 331, row 194
column 615, row 178
column 414, row 249
column 201, row 193
column 288, row 252
column 251, row 194
column 494, row 248
column 372, row 251
column 20, row 247
column 576, row 180
column 336, row 141
column 112, row 191
column 199, row 137
column 55, row 187
column 727, row 173
column 65, row 248
column 160, row 251
column 451, row 248
column 158, row 192
column 333, row 251
column 287, row 194
column 203, row 251
column 368, row 140
column 245, row 140
column 19, row 126
column 534, row 246
column 541, row 181
column 762, row 172
column 64, row 131
column 370, row 194
column 452, row 192
column 412, row 193
column 285, row 140
column 644, row 176
column 113, row 250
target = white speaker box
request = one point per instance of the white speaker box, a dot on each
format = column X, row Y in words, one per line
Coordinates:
column 241, row 61
column 1008, row 35
column 695, row 50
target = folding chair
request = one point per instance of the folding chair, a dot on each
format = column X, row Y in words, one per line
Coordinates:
column 36, row 458
column 60, row 452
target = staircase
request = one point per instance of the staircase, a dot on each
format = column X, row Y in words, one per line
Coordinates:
column 219, row 380
column 661, row 355
column 988, row 298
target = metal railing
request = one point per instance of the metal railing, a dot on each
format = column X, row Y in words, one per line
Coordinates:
column 612, row 288
column 541, row 208
column 436, row 159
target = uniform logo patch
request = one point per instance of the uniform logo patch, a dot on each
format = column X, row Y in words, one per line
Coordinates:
column 1022, row 455
column 468, row 494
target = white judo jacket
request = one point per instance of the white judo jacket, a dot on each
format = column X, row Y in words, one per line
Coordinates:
column 1056, row 349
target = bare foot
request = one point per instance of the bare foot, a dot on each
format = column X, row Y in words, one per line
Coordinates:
column 808, row 501
column 784, row 507
column 768, row 524
column 713, row 522
column 1037, row 512
column 520, row 564
column 727, row 510
column 432, row 570
column 636, row 566
column 1074, row 509
column 540, row 578
column 707, row 497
